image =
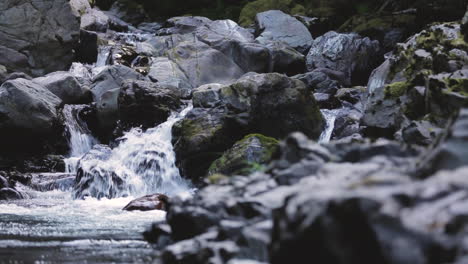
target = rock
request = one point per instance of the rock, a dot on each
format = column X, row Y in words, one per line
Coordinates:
column 350, row 54
column 66, row 87
column 464, row 25
column 237, row 43
column 80, row 7
column 274, row 25
column 10, row 194
column 319, row 81
column 183, row 25
column 350, row 95
column 95, row 20
column 27, row 110
column 167, row 72
column 148, row 203
column 147, row 104
column 251, row 9
column 37, row 37
column 106, row 89
column 285, row 59
column 203, row 64
column 3, row 74
column 270, row 104
column 246, row 156
column 450, row 153
column 404, row 88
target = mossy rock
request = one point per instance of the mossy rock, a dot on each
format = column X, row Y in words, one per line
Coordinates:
column 248, row 155
column 396, row 89
column 250, row 10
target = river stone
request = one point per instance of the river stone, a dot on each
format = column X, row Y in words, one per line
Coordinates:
column 37, row 37
column 167, row 72
column 148, row 202
column 146, row 104
column 27, row 105
column 274, row 25
column 350, row 54
column 203, row 64
column 106, row 89
column 270, row 104
column 245, row 156
column 284, row 59
column 65, row 86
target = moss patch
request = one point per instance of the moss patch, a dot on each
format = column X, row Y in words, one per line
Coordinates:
column 396, row 90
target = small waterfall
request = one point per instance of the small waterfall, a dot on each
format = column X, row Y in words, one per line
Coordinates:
column 81, row 140
column 103, row 56
column 330, row 118
column 143, row 163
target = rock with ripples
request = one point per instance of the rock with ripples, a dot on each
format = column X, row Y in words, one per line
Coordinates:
column 148, row 202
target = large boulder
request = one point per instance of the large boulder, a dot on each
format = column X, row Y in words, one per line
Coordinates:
column 350, row 54
column 37, row 37
column 270, row 104
column 246, row 156
column 28, row 112
column 146, row 104
column 106, row 89
column 203, row 64
column 426, row 79
column 274, row 25
column 167, row 72
column 66, row 87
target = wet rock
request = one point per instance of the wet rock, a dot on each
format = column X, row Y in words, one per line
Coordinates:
column 183, row 25
column 106, row 89
column 251, row 105
column 87, row 51
column 3, row 74
column 274, row 25
column 349, row 54
column 26, row 109
column 167, row 72
column 147, row 104
column 352, row 95
column 285, row 59
column 148, row 202
column 320, row 81
column 10, row 194
column 403, row 88
column 66, row 87
column 31, row 30
column 95, row 20
column 236, row 43
column 464, row 25
column 246, row 156
column 203, row 64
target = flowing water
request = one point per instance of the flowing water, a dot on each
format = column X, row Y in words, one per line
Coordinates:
column 330, row 118
column 52, row 227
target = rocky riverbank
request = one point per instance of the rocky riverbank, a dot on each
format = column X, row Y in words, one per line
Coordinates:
column 287, row 139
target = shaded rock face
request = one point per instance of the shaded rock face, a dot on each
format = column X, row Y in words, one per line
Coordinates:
column 350, row 54
column 146, row 104
column 274, row 25
column 28, row 116
column 37, row 37
column 245, row 156
column 270, row 104
column 167, row 72
column 424, row 80
column 148, row 203
column 66, row 87
column 106, row 90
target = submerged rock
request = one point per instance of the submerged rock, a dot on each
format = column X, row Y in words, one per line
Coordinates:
column 148, row 202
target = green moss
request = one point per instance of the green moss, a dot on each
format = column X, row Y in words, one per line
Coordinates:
column 216, row 178
column 458, row 85
column 396, row 90
column 241, row 159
